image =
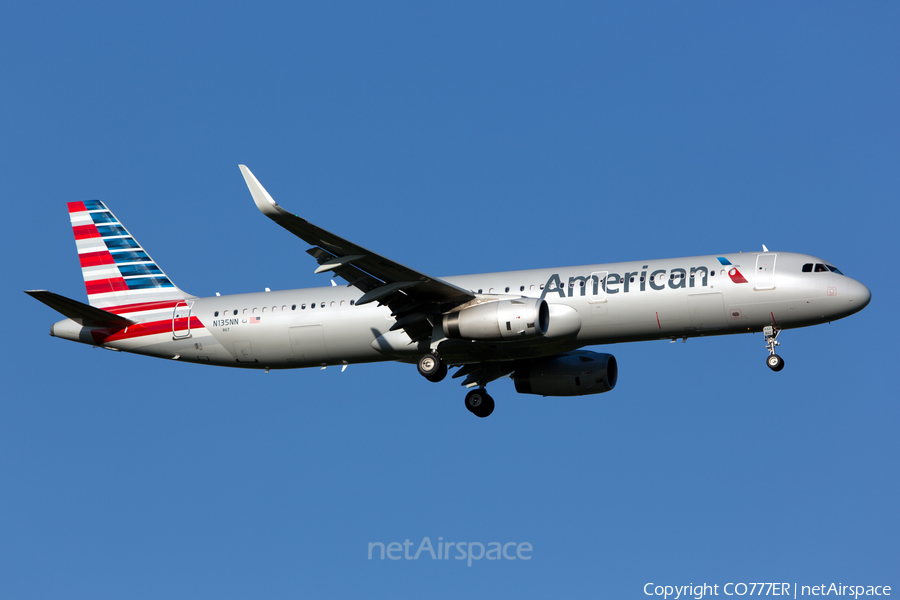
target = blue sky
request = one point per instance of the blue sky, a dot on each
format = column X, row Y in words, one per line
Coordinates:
column 453, row 138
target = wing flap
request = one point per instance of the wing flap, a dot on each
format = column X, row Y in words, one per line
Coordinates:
column 483, row 373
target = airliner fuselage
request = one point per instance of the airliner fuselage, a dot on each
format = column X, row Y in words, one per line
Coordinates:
column 685, row 297
column 527, row 324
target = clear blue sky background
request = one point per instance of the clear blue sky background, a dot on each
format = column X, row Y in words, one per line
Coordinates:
column 456, row 138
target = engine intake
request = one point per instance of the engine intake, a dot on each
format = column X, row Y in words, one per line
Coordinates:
column 575, row 373
column 500, row 320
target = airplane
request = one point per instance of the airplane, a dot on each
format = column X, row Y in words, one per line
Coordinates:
column 529, row 325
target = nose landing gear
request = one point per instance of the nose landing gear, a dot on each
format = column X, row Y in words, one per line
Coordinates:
column 774, row 362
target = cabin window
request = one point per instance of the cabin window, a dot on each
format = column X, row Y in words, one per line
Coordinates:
column 263, row 309
column 479, row 291
column 352, row 302
column 254, row 311
column 507, row 289
column 245, row 311
column 332, row 303
column 322, row 305
column 531, row 288
column 342, row 302
column 217, row 314
column 312, row 306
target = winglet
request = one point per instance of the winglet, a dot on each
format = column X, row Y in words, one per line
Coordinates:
column 264, row 201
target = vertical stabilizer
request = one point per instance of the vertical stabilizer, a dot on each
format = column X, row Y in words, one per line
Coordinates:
column 118, row 273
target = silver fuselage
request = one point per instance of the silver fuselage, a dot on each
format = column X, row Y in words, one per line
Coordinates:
column 590, row 305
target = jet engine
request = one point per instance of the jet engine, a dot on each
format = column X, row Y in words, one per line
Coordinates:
column 503, row 320
column 574, row 373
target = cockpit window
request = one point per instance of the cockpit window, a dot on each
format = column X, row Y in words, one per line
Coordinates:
column 820, row 268
column 834, row 269
column 807, row 268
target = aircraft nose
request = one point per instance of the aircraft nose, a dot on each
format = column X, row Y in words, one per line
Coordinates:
column 859, row 295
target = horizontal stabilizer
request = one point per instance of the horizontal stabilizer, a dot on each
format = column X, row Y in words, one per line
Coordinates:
column 75, row 310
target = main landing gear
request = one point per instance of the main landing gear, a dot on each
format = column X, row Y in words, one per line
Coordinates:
column 431, row 367
column 479, row 403
column 774, row 362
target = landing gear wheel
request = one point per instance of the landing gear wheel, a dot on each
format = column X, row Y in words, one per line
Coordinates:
column 439, row 376
column 431, row 367
column 479, row 403
column 775, row 362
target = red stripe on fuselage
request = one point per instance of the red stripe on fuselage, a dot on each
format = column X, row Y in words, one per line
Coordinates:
column 103, row 286
column 141, row 306
column 83, row 232
column 141, row 330
column 96, row 259
column 75, row 207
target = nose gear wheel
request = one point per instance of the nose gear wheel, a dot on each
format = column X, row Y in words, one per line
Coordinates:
column 774, row 362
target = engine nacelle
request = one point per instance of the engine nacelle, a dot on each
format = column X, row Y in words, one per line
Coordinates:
column 571, row 374
column 503, row 320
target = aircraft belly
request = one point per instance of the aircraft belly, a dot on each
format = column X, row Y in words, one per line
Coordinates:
column 200, row 347
column 308, row 344
column 707, row 311
column 644, row 318
column 303, row 340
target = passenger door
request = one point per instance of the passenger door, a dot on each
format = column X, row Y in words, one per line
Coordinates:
column 765, row 272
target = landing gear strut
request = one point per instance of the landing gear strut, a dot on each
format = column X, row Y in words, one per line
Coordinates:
column 774, row 362
column 431, row 367
column 479, row 403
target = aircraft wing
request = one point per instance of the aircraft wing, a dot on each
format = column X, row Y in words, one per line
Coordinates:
column 412, row 296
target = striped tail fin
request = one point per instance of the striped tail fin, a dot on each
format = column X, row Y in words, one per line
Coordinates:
column 118, row 273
